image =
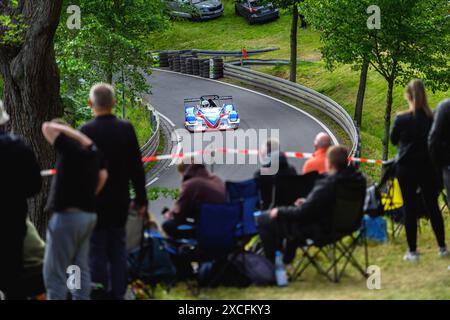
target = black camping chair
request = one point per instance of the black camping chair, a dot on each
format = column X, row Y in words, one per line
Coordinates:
column 287, row 189
column 283, row 190
column 265, row 186
column 332, row 251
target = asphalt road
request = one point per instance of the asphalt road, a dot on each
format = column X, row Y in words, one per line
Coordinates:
column 296, row 129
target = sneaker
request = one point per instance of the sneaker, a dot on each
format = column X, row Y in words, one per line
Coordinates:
column 411, row 257
column 443, row 252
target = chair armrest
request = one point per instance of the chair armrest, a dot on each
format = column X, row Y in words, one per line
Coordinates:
column 185, row 227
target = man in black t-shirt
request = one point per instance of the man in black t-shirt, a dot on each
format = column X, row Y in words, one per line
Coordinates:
column 72, row 203
column 117, row 142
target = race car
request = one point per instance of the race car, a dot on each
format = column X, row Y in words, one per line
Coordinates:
column 210, row 112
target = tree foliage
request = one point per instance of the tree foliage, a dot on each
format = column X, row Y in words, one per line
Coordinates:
column 109, row 47
column 413, row 41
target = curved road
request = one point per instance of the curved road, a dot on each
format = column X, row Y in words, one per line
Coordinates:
column 297, row 129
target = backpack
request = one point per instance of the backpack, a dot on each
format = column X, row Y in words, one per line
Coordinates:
column 151, row 262
column 258, row 269
column 241, row 270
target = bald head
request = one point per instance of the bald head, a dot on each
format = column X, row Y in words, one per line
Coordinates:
column 322, row 141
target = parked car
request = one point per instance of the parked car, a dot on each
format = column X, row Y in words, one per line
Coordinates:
column 195, row 9
column 256, row 10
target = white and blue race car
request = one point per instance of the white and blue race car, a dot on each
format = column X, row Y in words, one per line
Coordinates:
column 211, row 112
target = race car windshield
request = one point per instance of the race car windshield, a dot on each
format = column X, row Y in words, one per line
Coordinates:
column 197, row 1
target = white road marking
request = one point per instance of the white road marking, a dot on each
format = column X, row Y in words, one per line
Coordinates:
column 152, row 182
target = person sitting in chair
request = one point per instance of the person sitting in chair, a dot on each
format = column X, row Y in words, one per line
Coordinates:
column 198, row 187
column 311, row 216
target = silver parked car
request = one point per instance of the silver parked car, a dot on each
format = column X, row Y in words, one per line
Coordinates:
column 195, row 9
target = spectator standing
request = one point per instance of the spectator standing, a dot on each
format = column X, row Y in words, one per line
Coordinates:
column 72, row 203
column 414, row 167
column 118, row 144
column 20, row 180
column 317, row 163
column 439, row 142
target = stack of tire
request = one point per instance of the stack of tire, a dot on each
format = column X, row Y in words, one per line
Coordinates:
column 164, row 59
column 189, row 65
column 204, row 68
column 171, row 61
column 216, row 66
column 185, row 64
column 196, row 66
column 174, row 62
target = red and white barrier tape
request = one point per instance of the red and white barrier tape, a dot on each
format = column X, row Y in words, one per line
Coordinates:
column 295, row 155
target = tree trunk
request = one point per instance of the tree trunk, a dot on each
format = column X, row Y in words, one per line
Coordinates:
column 387, row 120
column 294, row 31
column 31, row 86
column 361, row 93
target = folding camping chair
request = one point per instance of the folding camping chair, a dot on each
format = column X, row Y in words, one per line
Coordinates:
column 265, row 186
column 392, row 201
column 287, row 189
column 284, row 190
column 331, row 252
column 216, row 238
column 247, row 195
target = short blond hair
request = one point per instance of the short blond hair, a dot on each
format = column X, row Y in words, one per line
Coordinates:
column 102, row 95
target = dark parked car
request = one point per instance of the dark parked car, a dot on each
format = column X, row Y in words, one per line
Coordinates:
column 195, row 9
column 256, row 10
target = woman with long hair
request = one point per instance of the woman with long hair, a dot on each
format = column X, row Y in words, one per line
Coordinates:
column 417, row 177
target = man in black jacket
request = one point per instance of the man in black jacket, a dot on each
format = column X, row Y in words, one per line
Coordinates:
column 310, row 216
column 20, row 179
column 117, row 142
column 439, row 141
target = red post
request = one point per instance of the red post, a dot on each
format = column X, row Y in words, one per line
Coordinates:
column 244, row 53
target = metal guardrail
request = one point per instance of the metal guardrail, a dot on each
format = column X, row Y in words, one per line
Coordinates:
column 218, row 53
column 151, row 146
column 231, row 53
column 258, row 62
column 301, row 93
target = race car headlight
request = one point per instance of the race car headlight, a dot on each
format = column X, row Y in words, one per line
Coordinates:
column 233, row 116
column 191, row 119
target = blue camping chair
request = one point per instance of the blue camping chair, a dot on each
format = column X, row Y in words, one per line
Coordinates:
column 216, row 229
column 245, row 194
column 215, row 240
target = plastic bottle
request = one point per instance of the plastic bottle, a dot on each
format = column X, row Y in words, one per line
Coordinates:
column 280, row 270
